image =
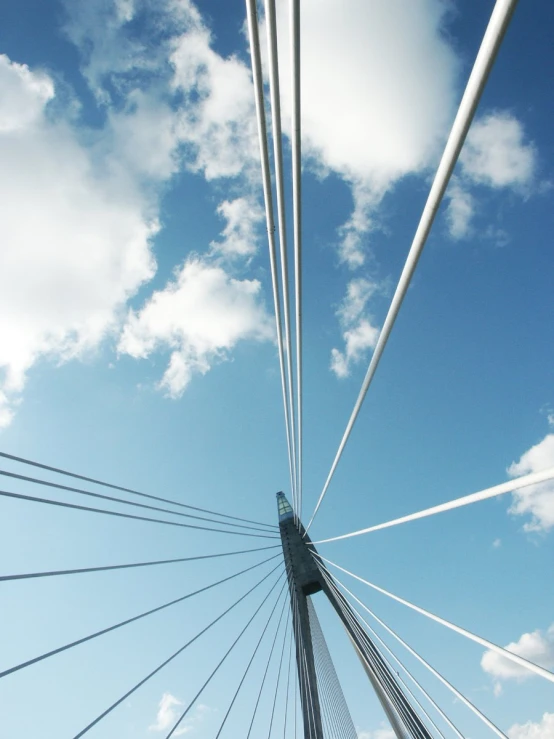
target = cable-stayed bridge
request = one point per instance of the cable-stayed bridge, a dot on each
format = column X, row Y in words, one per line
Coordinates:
column 291, row 570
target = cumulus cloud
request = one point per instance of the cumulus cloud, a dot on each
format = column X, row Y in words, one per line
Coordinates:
column 544, row 729
column 220, row 126
column 535, row 500
column 199, row 317
column 240, row 235
column 376, row 105
column 81, row 205
column 536, row 646
column 76, row 236
column 359, row 334
column 24, row 96
column 496, row 153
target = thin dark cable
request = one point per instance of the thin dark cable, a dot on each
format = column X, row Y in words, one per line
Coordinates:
column 302, row 675
column 79, row 491
column 83, row 570
column 266, row 669
column 19, row 496
column 287, row 693
column 385, row 680
column 340, row 715
column 395, row 695
column 295, row 700
column 126, row 490
column 250, row 662
column 308, row 687
column 193, row 701
column 390, row 691
column 278, row 676
column 321, row 681
column 127, row 621
column 172, row 657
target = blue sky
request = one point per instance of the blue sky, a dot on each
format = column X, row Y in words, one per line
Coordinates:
column 137, row 343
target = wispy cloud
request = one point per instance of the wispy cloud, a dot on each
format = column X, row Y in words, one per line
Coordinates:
column 169, row 710
column 359, row 334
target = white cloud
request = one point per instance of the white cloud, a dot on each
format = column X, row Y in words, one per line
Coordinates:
column 81, row 206
column 536, row 500
column 377, row 104
column 24, row 96
column 358, row 340
column 169, row 711
column 359, row 334
column 75, row 235
column 536, row 646
column 200, row 316
column 220, row 127
column 530, row 730
column 497, row 543
column 240, row 235
column 461, row 206
column 145, row 135
column 358, row 292
column 496, row 154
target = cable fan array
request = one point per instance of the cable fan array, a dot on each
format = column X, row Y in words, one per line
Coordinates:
column 279, row 650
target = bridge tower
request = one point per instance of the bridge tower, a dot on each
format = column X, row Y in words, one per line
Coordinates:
column 308, row 575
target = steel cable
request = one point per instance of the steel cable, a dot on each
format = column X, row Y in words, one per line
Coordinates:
column 59, row 471
column 496, row 29
column 227, row 653
column 84, row 639
column 169, row 659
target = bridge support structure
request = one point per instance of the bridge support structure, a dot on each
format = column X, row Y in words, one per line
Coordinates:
column 308, row 575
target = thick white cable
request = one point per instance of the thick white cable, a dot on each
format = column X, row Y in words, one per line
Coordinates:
column 275, row 95
column 546, row 674
column 331, row 584
column 254, row 39
column 492, row 39
column 431, row 669
column 506, row 487
column 297, row 223
column 399, row 719
column 398, row 678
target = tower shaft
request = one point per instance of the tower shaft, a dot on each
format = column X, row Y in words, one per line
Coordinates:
column 307, row 576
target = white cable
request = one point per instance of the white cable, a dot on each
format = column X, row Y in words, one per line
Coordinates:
column 383, row 683
column 492, row 39
column 273, row 53
column 397, row 660
column 268, row 197
column 506, row 487
column 424, row 662
column 478, row 639
column 297, row 223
